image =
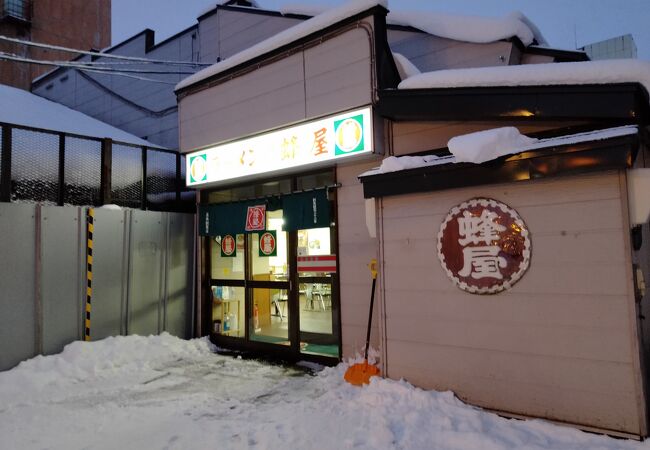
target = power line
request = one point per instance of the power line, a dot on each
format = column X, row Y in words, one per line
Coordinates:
column 123, row 73
column 82, row 66
column 100, row 54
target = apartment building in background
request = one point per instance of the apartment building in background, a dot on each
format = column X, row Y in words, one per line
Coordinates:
column 80, row 24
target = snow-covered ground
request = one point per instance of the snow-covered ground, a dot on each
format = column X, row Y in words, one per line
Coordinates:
column 160, row 392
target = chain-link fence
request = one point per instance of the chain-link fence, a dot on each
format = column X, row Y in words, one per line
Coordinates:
column 62, row 169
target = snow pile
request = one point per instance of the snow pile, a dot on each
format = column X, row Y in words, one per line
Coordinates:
column 327, row 18
column 487, row 145
column 33, row 111
column 160, row 392
column 468, row 28
column 405, row 67
column 570, row 73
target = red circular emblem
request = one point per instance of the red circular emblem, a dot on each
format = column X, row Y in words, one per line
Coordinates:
column 228, row 245
column 267, row 243
column 484, row 246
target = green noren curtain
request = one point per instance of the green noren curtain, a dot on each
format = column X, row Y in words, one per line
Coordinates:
column 300, row 211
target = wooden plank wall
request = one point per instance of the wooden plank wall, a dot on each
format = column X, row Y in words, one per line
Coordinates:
column 561, row 344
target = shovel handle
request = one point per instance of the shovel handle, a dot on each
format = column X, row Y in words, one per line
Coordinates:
column 372, row 303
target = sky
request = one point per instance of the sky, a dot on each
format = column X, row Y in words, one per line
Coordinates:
column 564, row 24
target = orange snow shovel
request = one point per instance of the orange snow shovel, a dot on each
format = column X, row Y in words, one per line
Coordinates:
column 360, row 373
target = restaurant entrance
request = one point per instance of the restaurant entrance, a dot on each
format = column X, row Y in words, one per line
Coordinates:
column 275, row 289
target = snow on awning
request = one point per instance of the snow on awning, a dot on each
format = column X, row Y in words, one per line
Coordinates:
column 488, row 142
column 37, row 112
column 568, row 73
column 315, row 24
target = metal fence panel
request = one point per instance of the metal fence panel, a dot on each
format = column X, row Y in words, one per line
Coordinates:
column 178, row 311
column 61, row 277
column 83, row 171
column 161, row 179
column 126, row 176
column 35, row 166
column 109, row 275
column 146, row 272
column 17, row 305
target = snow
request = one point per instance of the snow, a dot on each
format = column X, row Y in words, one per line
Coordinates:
column 33, row 111
column 569, row 73
column 469, row 28
column 488, row 145
column 405, row 67
column 160, row 392
column 111, row 207
column 465, row 28
column 492, row 144
column 285, row 37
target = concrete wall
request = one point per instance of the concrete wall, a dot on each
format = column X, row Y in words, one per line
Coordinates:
column 142, row 276
column 561, row 344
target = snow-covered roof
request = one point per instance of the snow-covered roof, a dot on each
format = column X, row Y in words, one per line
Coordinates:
column 466, row 28
column 319, row 22
column 470, row 28
column 491, row 144
column 568, row 73
column 33, row 111
column 463, row 28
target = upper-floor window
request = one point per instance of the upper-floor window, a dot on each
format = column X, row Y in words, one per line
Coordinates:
column 18, row 9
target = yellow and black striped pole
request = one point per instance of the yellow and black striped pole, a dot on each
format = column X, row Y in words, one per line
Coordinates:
column 89, row 269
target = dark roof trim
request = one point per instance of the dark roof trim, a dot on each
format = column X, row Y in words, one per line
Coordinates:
column 376, row 11
column 627, row 102
column 570, row 159
column 557, row 54
column 251, row 10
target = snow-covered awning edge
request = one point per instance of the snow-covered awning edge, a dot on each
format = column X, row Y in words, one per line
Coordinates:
column 548, row 74
column 394, row 164
column 286, row 37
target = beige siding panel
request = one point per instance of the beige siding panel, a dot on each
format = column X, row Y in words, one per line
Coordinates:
column 527, row 193
column 524, row 384
column 241, row 30
column 337, row 73
column 562, row 310
column 429, row 52
column 266, row 98
column 562, row 331
column 356, row 248
column 412, row 137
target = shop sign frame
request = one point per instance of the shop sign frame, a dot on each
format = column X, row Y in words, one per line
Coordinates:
column 310, row 144
column 484, row 246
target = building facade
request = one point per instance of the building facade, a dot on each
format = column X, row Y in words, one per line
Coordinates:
column 283, row 143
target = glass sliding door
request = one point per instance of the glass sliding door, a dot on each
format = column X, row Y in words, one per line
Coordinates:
column 227, row 285
column 269, row 282
column 316, row 276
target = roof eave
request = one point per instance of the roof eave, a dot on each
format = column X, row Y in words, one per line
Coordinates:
column 618, row 103
column 571, row 159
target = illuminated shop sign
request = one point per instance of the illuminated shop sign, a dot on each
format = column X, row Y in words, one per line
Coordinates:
column 484, row 246
column 312, row 143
